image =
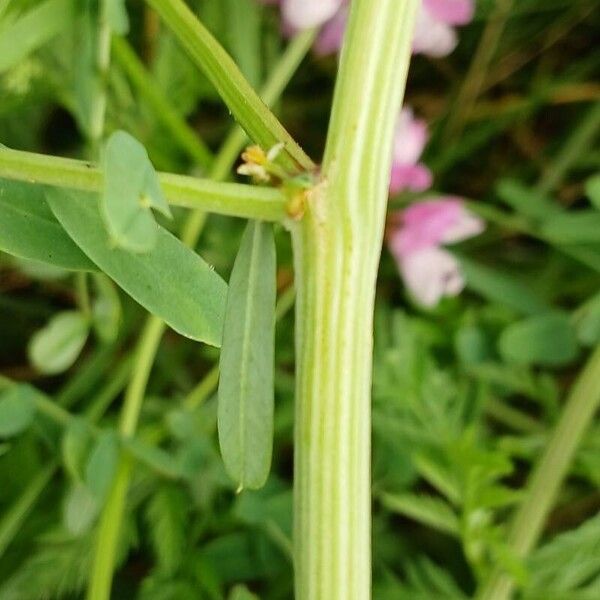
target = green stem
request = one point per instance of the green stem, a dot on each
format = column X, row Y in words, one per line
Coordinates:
column 278, row 81
column 478, row 70
column 578, row 143
column 177, row 127
column 98, row 108
column 15, row 516
column 336, row 248
column 549, row 474
column 232, row 199
column 114, row 508
column 243, row 102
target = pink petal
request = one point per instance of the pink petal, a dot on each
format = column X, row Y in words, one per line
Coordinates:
column 431, row 223
column 451, row 12
column 332, row 34
column 432, row 37
column 304, row 14
column 410, row 138
column 415, row 178
column 431, row 274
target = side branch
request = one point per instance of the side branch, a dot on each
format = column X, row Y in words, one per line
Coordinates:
column 232, row 199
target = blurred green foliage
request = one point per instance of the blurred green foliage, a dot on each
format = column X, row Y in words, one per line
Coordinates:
column 464, row 395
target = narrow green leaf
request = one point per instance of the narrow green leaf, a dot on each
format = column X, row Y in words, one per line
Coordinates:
column 102, row 465
column 33, row 30
column 428, row 510
column 80, row 509
column 527, row 201
column 171, row 281
column 245, row 411
column 547, row 339
column 580, row 227
column 56, row 347
column 28, row 228
column 131, row 188
column 17, row 409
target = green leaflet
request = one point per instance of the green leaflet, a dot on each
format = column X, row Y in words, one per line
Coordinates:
column 547, row 339
column 131, row 189
column 33, row 30
column 17, row 410
column 245, row 412
column 28, row 228
column 54, row 348
column 102, row 465
column 171, row 281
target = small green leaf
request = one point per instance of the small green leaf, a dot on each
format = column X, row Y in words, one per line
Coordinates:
column 33, row 30
column 17, row 410
column 106, row 309
column 56, row 347
column 245, row 411
column 131, row 188
column 592, row 190
column 28, row 229
column 80, row 509
column 547, row 339
column 171, row 281
column 116, row 13
column 102, row 465
column 76, row 443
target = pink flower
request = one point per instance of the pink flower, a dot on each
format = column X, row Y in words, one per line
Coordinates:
column 434, row 34
column 415, row 238
column 410, row 138
column 330, row 15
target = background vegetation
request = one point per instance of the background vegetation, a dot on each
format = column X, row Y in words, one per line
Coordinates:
column 466, row 394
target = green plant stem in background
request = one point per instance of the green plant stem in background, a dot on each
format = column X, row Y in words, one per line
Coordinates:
column 233, row 199
column 549, row 473
column 17, row 513
column 114, row 507
column 478, row 70
column 112, row 515
column 177, row 127
column 337, row 247
column 245, row 104
column 578, row 144
column 98, row 108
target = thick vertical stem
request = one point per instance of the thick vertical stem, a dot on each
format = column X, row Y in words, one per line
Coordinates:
column 337, row 248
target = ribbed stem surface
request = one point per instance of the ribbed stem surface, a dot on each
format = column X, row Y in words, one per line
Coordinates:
column 337, row 248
